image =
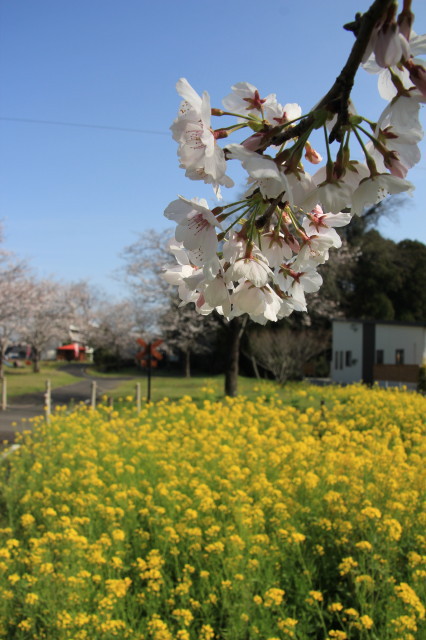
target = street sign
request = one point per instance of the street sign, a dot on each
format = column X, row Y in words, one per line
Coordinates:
column 148, row 356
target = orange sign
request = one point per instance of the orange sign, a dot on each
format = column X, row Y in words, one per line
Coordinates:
column 148, row 354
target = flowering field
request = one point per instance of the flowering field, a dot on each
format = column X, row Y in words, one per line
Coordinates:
column 233, row 520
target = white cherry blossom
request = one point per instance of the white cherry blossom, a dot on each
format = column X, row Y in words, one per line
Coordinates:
column 254, row 268
column 386, row 87
column 287, row 279
column 302, row 186
column 245, row 99
column 216, row 294
column 233, row 248
column 276, row 114
column 261, row 303
column 198, row 152
column 372, row 190
column 196, row 227
column 336, row 195
column 264, row 172
column 275, row 248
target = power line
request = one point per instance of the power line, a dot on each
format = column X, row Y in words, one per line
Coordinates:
column 85, row 126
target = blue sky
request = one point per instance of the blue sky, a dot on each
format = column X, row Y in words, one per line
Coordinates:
column 72, row 197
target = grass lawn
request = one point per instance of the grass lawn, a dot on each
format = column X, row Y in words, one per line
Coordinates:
column 212, row 388
column 22, row 380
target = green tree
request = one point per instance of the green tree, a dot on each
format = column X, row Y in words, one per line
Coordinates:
column 410, row 300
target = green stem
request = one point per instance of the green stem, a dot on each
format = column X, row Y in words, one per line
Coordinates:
column 226, row 206
column 223, row 234
column 327, row 144
column 367, row 133
column 233, row 127
column 295, row 221
column 370, row 161
column 240, row 115
column 224, row 216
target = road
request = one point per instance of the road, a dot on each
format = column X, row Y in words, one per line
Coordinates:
column 21, row 409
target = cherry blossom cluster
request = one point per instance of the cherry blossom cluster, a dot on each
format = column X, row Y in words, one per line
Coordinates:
column 260, row 255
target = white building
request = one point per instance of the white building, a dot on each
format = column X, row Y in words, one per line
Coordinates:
column 377, row 351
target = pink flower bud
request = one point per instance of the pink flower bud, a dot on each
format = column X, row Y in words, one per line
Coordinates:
column 417, row 76
column 405, row 22
column 254, row 142
column 311, row 155
column 394, row 164
column 391, row 47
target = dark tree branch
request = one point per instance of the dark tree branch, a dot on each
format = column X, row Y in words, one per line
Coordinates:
column 336, row 99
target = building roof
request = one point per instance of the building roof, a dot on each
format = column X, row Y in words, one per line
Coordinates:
column 71, row 347
column 390, row 322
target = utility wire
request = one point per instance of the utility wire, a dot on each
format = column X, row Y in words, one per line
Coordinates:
column 86, row 126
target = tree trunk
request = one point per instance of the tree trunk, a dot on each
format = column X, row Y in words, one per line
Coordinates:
column 235, row 331
column 2, row 352
column 187, row 355
column 255, row 367
column 36, row 360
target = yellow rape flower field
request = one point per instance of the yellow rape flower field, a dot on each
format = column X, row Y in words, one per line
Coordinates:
column 238, row 519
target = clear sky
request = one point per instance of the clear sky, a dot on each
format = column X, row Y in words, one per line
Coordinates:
column 72, row 197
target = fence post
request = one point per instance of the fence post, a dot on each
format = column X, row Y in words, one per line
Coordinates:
column 4, row 393
column 138, row 397
column 93, row 395
column 48, row 401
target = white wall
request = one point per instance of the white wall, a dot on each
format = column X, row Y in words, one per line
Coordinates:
column 411, row 339
column 347, row 336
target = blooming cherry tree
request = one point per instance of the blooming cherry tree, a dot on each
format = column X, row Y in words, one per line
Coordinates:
column 259, row 255
column 15, row 299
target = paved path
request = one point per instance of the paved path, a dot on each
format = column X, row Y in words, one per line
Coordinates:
column 24, row 407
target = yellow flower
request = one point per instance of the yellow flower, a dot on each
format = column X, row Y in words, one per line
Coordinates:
column 206, row 632
column 118, row 535
column 347, row 565
column 25, row 625
column 273, row 597
column 14, row 578
column 184, row 616
column 118, row 588
column 364, row 545
column 366, row 622
column 46, row 568
column 31, row 598
column 298, row 537
column 410, row 597
column 371, row 513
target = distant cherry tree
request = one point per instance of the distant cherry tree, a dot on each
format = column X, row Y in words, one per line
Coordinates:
column 46, row 322
column 15, row 299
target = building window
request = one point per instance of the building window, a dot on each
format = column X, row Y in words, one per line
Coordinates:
column 348, row 358
column 399, row 356
column 338, row 359
column 380, row 356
